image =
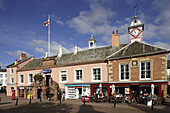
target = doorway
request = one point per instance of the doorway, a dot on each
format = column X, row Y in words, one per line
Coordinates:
column 47, row 82
column 80, row 92
column 39, row 93
column 135, row 91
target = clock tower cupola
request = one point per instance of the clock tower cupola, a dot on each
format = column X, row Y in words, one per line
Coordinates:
column 135, row 29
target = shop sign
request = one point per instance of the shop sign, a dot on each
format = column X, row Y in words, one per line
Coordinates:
column 46, row 70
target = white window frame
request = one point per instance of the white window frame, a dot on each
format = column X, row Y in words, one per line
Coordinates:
column 11, row 70
column 61, row 78
column 145, row 71
column 11, row 80
column 92, row 74
column 29, row 82
column 1, row 76
column 20, row 79
column 2, row 81
column 123, row 72
column 75, row 76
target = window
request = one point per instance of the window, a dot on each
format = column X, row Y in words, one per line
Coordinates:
column 78, row 75
column 11, row 80
column 96, row 74
column 124, row 71
column 1, row 81
column 63, row 75
column 5, row 75
column 30, row 78
column 21, row 78
column 1, row 75
column 146, row 70
column 11, row 71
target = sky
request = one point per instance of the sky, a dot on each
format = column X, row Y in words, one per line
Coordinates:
column 73, row 22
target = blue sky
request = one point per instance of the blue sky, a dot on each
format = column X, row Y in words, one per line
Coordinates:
column 73, row 22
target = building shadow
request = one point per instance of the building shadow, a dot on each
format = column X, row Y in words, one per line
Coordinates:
column 156, row 109
column 5, row 103
column 39, row 108
column 87, row 109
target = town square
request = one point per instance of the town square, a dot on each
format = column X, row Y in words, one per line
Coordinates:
column 97, row 56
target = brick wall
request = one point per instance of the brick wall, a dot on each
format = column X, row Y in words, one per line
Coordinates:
column 158, row 68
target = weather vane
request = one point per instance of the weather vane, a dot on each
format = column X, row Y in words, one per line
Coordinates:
column 135, row 11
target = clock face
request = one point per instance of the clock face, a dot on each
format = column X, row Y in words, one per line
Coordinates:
column 134, row 63
column 135, row 32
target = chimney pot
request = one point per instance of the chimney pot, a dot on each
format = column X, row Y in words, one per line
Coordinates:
column 117, row 32
column 16, row 62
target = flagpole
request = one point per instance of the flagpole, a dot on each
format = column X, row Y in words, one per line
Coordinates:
column 49, row 36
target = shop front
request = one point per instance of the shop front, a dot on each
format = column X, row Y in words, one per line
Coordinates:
column 76, row 91
column 131, row 90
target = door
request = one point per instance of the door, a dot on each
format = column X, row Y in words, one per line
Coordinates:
column 47, row 82
column 135, row 91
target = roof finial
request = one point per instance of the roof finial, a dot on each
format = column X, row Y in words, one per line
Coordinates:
column 91, row 36
column 135, row 11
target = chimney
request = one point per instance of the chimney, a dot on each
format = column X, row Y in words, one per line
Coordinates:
column 60, row 52
column 23, row 56
column 16, row 62
column 115, row 39
column 75, row 49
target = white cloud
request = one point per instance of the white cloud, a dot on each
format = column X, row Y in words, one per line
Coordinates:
column 17, row 53
column 40, row 50
column 56, row 19
column 2, row 65
column 41, row 47
column 162, row 44
column 95, row 21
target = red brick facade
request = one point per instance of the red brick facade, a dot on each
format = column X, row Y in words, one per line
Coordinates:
column 158, row 69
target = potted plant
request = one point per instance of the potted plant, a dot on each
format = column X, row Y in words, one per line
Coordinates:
column 38, row 78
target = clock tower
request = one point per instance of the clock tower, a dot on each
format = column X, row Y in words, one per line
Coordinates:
column 135, row 30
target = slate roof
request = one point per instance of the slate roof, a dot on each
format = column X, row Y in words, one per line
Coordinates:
column 82, row 57
column 19, row 62
column 34, row 64
column 2, row 70
column 98, row 55
column 136, row 49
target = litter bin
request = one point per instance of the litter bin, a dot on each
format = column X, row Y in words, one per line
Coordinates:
column 29, row 96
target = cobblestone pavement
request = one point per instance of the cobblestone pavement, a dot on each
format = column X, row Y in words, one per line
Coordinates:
column 7, row 105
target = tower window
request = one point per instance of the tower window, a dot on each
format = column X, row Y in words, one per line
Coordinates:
column 91, row 44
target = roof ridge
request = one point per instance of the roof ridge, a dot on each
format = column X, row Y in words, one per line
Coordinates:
column 154, row 45
column 120, row 49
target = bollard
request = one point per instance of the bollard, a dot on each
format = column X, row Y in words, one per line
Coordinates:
column 115, row 103
column 16, row 101
column 40, row 99
column 0, row 99
column 30, row 100
column 60, row 100
column 152, row 104
column 84, row 101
